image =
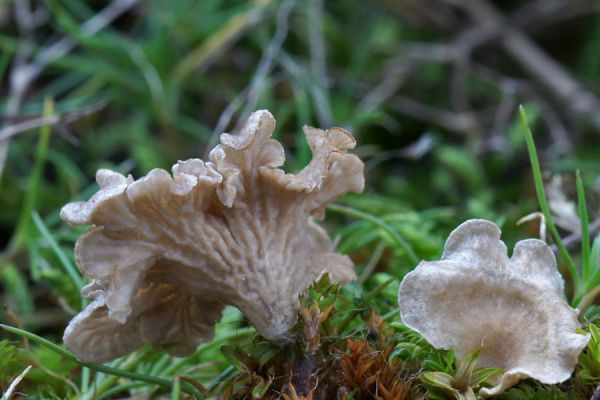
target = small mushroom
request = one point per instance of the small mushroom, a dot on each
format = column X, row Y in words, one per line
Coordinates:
column 511, row 308
column 166, row 253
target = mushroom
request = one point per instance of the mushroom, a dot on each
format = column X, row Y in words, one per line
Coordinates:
column 166, row 253
column 511, row 308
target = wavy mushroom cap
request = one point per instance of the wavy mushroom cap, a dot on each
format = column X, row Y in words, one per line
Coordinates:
column 166, row 253
column 513, row 308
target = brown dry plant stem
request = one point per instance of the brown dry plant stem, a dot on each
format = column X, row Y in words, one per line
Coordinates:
column 536, row 61
column 479, row 31
column 24, row 71
column 305, row 373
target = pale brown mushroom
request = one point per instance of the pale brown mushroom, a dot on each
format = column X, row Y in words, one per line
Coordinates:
column 514, row 309
column 166, row 253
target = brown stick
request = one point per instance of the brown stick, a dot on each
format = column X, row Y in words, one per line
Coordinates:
column 575, row 238
column 536, row 62
column 22, row 73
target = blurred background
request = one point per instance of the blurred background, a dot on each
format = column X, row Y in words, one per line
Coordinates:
column 429, row 88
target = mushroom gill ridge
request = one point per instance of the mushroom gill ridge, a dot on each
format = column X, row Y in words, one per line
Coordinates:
column 232, row 230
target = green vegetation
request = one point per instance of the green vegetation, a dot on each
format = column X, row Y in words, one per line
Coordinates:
column 151, row 82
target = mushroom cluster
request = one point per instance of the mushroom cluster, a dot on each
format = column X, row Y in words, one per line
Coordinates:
column 511, row 308
column 167, row 252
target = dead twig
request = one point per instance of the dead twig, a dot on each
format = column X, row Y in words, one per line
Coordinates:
column 535, row 61
column 540, row 13
column 252, row 92
column 524, row 90
column 486, row 26
column 64, row 119
column 23, row 73
column 393, row 79
column 318, row 59
column 458, row 122
column 9, row 392
column 575, row 238
column 268, row 60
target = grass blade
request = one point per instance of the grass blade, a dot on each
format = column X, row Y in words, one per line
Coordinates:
column 93, row 366
column 366, row 300
column 23, row 231
column 543, row 203
column 218, row 41
column 585, row 230
column 352, row 212
column 176, row 390
column 64, row 260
